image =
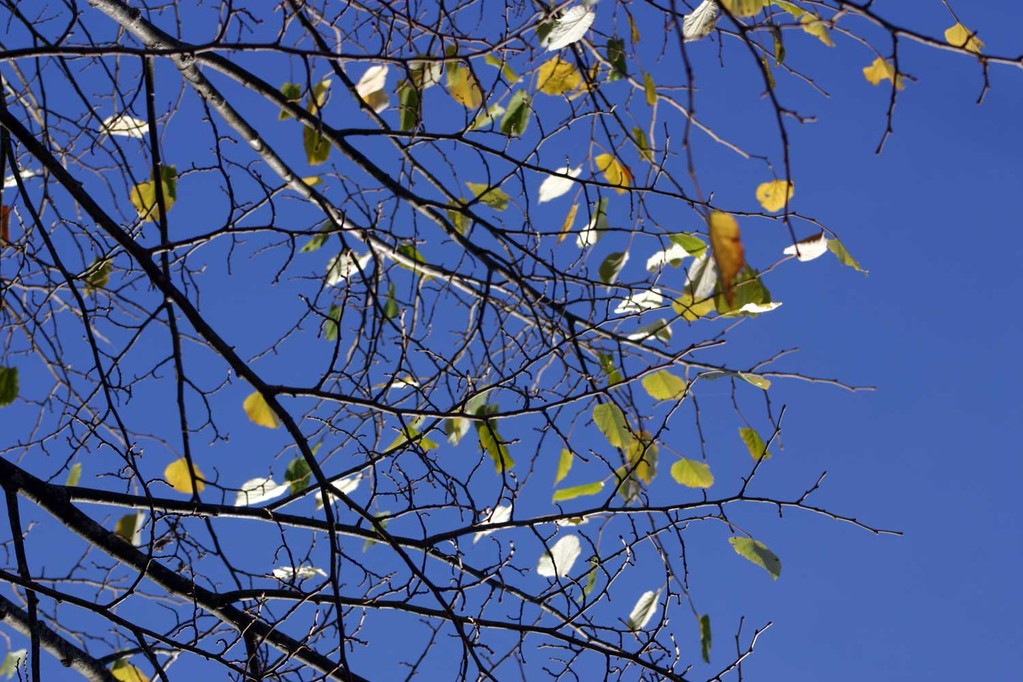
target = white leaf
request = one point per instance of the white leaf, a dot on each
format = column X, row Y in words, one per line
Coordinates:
column 346, row 485
column 755, row 308
column 554, row 186
column 371, row 87
column 811, row 248
column 700, row 22
column 136, row 536
column 404, row 381
column 643, row 611
column 258, row 490
column 638, row 302
column 430, row 71
column 344, row 265
column 577, row 520
column 500, row 514
column 558, row 561
column 125, row 125
column 702, row 277
column 659, row 330
column 569, row 27
column 290, row 573
column 12, row 661
column 11, row 181
column 593, row 231
column 673, row 254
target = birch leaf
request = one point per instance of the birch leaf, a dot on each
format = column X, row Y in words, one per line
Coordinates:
column 557, row 562
column 961, row 37
column 809, row 248
column 700, row 22
column 555, row 186
column 557, row 77
column 182, row 478
column 757, row 553
column 125, row 126
column 643, row 611
column 726, row 245
column 664, row 385
column 500, row 514
column 775, row 194
column 692, row 474
column 744, row 8
column 258, row 412
column 616, row 173
column 569, row 27
column 880, row 70
column 258, row 490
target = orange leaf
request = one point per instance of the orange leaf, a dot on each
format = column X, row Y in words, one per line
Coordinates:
column 5, row 217
column 726, row 245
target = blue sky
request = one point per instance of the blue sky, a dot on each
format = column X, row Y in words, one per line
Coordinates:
column 933, row 452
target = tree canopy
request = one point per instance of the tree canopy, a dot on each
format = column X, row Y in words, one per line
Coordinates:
column 373, row 340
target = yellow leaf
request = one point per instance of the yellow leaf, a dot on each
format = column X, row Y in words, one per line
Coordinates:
column 557, row 77
column 726, row 245
column 690, row 309
column 126, row 672
column 664, row 385
column 817, row 28
column 614, row 172
column 259, row 412
column 744, row 8
column 143, row 195
column 569, row 221
column 649, row 89
column 774, row 194
column 692, row 474
column 642, row 454
column 463, row 86
column 882, row 70
column 962, row 37
column 181, row 477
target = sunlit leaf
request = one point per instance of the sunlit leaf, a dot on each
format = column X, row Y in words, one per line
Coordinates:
column 755, row 379
column 702, row 277
column 182, row 478
column 12, row 181
column 14, row 659
column 425, row 73
column 726, row 245
column 692, row 309
column 390, row 304
column 124, row 125
column 494, row 197
column 960, row 36
column 564, row 465
column 287, row 574
column 660, row 330
column 795, row 10
column 700, row 22
column 817, row 28
column 293, row 93
column 74, row 475
column 809, row 248
column 757, row 553
column 640, row 301
column 611, row 266
column 616, row 173
column 569, row 27
column 298, row 474
column 143, row 195
column 122, row 671
column 346, row 264
column 346, row 486
column 673, row 256
column 516, row 117
column 692, row 473
column 754, row 443
column 611, row 421
column 258, row 490
column 844, row 257
column 408, row 106
column 557, row 77
column 595, row 228
column 492, row 444
column 744, row 8
column 758, row 308
column 750, row 294
column 566, row 225
column 577, row 491
column 642, row 144
column 663, row 385
column 258, row 412
column 705, row 640
column 557, row 562
column 371, row 88
column 641, row 457
column 610, row 370
column 464, row 87
column 507, row 72
column 316, row 146
column 500, row 514
column 880, row 70
column 97, row 276
column 773, row 195
column 331, row 324
column 556, row 185
column 129, row 527
column 487, row 117
column 643, row 611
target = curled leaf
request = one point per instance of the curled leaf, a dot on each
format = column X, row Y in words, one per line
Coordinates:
column 881, row 69
column 961, row 37
column 809, row 248
column 569, row 27
column 700, row 22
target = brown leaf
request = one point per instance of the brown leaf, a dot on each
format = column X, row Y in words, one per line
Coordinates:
column 5, row 232
column 726, row 245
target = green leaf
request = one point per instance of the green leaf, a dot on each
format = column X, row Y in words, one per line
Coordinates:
column 611, row 421
column 760, row 382
column 317, row 148
column 487, row 117
column 748, row 288
column 641, row 457
column 693, row 245
column 126, row 527
column 412, row 253
column 705, row 637
column 591, row 577
column 143, row 195
column 629, row 486
column 607, row 365
column 767, row 73
column 75, row 475
column 616, row 58
column 317, row 240
column 649, row 89
column 8, row 385
column 408, row 106
column 493, row 445
column 577, row 491
column 642, row 144
column 692, row 474
column 664, row 385
column 457, row 216
column 390, row 305
column 754, row 443
column 611, row 266
column 506, row 71
column 516, row 117
column 757, row 553
column 410, row 434
column 792, row 9
column 298, row 474
column 330, row 325
column 97, row 276
column 564, row 465
column 494, row 197
column 779, row 46
column 293, row 93
column 844, row 257
column 12, row 661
